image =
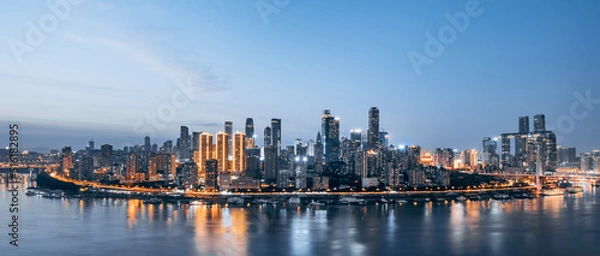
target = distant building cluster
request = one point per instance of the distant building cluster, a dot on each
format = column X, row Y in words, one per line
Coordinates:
column 234, row 160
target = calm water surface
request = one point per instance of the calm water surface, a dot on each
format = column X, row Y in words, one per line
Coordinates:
column 563, row 225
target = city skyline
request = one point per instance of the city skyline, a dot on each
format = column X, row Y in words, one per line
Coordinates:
column 130, row 68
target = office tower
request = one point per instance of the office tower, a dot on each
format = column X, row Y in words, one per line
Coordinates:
column 184, row 143
column 373, row 132
column 228, row 128
column 473, row 158
column 310, row 148
column 298, row 147
column 331, row 133
column 147, row 146
column 151, row 167
column 249, row 128
column 506, row 156
column 539, row 123
column 552, row 152
column 270, row 164
column 414, row 155
column 90, row 147
column 204, row 152
column 489, row 154
column 211, row 174
column 195, row 140
column 523, row 124
column 253, row 163
column 222, row 152
column 167, row 147
column 267, row 137
column 166, row 165
column 319, row 154
column 355, row 139
column 131, row 167
column 239, row 152
column 276, row 134
column 106, row 155
column 66, row 160
column 383, row 139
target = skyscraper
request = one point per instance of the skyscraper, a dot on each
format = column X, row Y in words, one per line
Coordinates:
column 270, row 164
column 222, row 152
column 229, row 130
column 195, row 140
column 523, row 124
column 249, row 127
column 239, row 152
column 276, row 134
column 539, row 123
column 204, row 152
column 331, row 132
column 211, row 174
column 267, row 137
column 373, row 132
column 355, row 139
column 184, row 143
column 147, row 146
column 319, row 154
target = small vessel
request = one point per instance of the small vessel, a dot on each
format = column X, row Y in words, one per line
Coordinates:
column 402, row 201
column 553, row 192
column 314, row 203
column 461, row 199
column 501, row 197
column 154, row 200
column 475, row 197
column 30, row 193
column 524, row 196
column 294, row 200
column 383, row 200
column 440, row 199
column 575, row 189
column 352, row 200
column 259, row 201
column 235, row 200
column 196, row 203
column 420, row 199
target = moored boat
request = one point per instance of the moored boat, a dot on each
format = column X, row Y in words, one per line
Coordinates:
column 553, row 192
column 575, row 189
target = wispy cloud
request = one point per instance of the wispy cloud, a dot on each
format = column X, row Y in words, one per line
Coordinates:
column 161, row 60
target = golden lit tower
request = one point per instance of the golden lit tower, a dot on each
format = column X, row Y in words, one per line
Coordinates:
column 204, row 152
column 222, row 151
column 239, row 153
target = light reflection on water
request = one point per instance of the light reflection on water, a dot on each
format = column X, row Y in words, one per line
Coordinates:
column 547, row 225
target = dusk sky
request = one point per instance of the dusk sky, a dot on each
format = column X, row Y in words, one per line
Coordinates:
column 108, row 65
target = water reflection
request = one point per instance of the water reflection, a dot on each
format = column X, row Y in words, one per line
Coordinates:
column 551, row 225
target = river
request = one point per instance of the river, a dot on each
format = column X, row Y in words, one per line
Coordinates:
column 558, row 225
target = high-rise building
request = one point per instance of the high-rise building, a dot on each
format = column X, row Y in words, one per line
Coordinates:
column 195, row 140
column 222, row 152
column 253, row 163
column 239, row 152
column 228, row 128
column 539, row 123
column 319, row 154
column 373, row 132
column 167, row 147
column 523, row 124
column 384, row 139
column 249, row 128
column 267, row 137
column 204, row 152
column 147, row 146
column 276, row 134
column 90, row 147
column 270, row 164
column 106, row 155
column 184, row 143
column 331, row 133
column 211, row 174
column 355, row 139
column 506, row 156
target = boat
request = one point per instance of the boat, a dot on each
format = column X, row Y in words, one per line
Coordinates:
column 196, row 203
column 553, row 192
column 259, row 201
column 383, row 200
column 235, row 200
column 313, row 203
column 524, row 196
column 575, row 189
column 154, row 200
column 352, row 200
column 402, row 201
column 30, row 193
column 501, row 196
column 461, row 199
column 474, row 197
column 420, row 199
column 440, row 199
column 294, row 200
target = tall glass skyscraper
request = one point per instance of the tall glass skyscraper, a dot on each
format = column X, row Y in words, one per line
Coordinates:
column 373, row 132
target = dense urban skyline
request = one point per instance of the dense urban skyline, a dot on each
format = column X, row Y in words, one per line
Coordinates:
column 111, row 70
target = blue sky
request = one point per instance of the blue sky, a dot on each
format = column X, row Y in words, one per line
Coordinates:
column 109, row 64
